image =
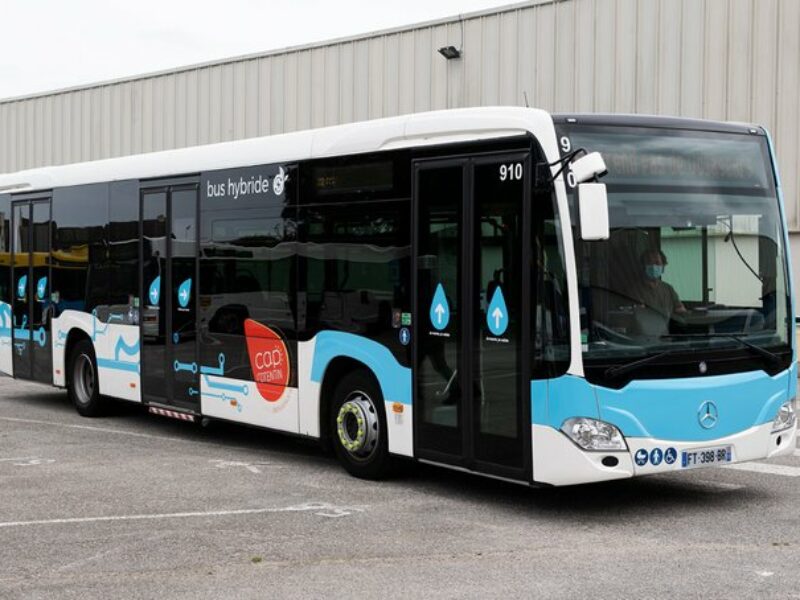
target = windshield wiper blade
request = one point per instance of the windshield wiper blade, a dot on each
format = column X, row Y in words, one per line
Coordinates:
column 618, row 370
column 763, row 352
column 770, row 356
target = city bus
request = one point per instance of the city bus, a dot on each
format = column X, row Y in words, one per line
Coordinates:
column 545, row 299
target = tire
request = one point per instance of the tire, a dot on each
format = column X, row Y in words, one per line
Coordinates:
column 83, row 385
column 358, row 427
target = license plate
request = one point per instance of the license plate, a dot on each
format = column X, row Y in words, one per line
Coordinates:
column 705, row 457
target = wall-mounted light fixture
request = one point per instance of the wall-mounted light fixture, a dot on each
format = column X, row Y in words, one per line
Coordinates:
column 450, row 52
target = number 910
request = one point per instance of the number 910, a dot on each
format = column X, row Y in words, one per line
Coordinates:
column 511, row 172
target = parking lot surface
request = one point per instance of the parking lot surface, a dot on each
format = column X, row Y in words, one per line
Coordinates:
column 133, row 505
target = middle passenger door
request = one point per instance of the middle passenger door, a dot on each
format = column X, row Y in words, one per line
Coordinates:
column 471, row 374
column 168, row 275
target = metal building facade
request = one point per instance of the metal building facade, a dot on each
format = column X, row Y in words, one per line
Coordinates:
column 719, row 59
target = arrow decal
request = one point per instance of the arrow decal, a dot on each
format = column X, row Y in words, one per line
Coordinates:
column 440, row 309
column 154, row 293
column 497, row 313
column 185, row 293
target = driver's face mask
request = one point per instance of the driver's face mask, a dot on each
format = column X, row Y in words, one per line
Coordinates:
column 654, row 271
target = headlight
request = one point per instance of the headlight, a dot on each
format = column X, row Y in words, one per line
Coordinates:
column 591, row 434
column 786, row 417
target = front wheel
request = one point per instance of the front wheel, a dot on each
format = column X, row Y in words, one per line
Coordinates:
column 358, row 425
column 83, row 387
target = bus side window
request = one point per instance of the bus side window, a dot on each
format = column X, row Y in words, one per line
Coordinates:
column 79, row 261
column 5, row 248
column 551, row 346
column 357, row 263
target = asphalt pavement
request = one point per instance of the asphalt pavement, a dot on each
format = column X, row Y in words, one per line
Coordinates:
column 138, row 506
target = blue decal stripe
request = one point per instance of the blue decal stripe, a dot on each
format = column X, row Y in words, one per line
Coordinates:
column 394, row 379
column 228, row 387
column 39, row 336
column 222, row 396
column 188, row 367
column 220, row 370
column 129, row 349
column 117, row 365
column 121, row 347
column 665, row 409
column 5, row 319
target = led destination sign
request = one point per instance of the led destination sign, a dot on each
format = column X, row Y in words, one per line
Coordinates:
column 362, row 177
column 684, row 159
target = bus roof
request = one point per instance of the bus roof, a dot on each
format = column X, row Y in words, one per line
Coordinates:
column 406, row 131
column 657, row 121
column 414, row 130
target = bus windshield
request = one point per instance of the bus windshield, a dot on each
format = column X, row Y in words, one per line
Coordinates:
column 694, row 272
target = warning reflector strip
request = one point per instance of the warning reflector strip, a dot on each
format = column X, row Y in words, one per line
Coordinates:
column 172, row 414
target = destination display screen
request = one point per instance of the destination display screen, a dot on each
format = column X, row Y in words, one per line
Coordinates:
column 639, row 157
column 359, row 177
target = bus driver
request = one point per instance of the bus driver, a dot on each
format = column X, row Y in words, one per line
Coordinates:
column 659, row 299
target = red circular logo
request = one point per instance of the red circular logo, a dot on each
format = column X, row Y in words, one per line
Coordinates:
column 269, row 360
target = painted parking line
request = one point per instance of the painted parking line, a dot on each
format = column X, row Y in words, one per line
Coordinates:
column 767, row 469
column 94, row 428
column 318, row 508
column 717, row 486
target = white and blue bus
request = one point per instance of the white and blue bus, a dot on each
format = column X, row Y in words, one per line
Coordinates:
column 547, row 299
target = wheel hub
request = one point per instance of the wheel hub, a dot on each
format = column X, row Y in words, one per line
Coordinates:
column 357, row 425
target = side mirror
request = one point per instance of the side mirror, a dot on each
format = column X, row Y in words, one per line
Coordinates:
column 593, row 209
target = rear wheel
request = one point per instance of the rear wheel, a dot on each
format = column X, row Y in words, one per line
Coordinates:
column 358, row 427
column 83, row 387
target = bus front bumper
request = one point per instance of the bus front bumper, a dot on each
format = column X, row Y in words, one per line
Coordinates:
column 558, row 461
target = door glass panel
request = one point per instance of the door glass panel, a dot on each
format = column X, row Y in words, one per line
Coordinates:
column 153, row 299
column 183, row 292
column 439, row 394
column 39, row 293
column 20, row 288
column 497, row 368
column 6, row 317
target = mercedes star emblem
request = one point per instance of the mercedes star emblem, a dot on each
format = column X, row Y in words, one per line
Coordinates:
column 708, row 415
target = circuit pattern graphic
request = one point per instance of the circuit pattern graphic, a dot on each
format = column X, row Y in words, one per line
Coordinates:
column 220, row 389
column 121, row 347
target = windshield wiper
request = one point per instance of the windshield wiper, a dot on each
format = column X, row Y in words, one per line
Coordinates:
column 618, row 370
column 773, row 358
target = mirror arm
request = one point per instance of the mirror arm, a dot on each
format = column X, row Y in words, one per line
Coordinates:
column 543, row 175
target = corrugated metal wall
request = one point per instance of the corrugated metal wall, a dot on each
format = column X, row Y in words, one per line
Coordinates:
column 719, row 59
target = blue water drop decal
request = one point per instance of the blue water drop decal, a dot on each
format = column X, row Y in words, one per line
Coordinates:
column 155, row 291
column 497, row 314
column 41, row 288
column 185, row 293
column 440, row 309
column 22, row 286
